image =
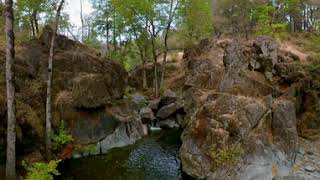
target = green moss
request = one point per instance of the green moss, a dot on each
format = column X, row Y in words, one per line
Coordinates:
column 225, row 156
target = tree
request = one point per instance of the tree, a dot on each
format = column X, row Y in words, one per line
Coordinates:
column 10, row 55
column 49, row 80
column 28, row 12
column 192, row 27
column 170, row 18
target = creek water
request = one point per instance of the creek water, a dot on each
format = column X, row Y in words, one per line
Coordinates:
column 153, row 157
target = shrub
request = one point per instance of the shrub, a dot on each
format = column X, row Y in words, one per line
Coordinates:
column 61, row 138
column 226, row 156
column 86, row 149
column 41, row 171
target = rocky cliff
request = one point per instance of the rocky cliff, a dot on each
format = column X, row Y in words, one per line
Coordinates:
column 242, row 104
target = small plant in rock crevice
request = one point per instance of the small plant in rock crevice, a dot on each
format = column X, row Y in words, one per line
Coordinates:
column 228, row 155
column 61, row 138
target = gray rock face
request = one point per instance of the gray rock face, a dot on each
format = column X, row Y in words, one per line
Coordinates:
column 154, row 104
column 124, row 135
column 146, row 114
column 93, row 126
column 168, row 124
column 267, row 52
column 167, row 111
column 245, row 109
column 138, row 101
column 284, row 126
column 90, row 91
column 203, row 74
column 168, row 97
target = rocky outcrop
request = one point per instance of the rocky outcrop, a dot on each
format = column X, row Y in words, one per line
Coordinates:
column 81, row 81
column 244, row 125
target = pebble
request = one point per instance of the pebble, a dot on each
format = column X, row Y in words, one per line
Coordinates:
column 310, row 168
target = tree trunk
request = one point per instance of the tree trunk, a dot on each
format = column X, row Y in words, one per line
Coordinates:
column 49, row 83
column 81, row 18
column 35, row 20
column 144, row 75
column 166, row 49
column 10, row 55
column 32, row 28
column 114, row 31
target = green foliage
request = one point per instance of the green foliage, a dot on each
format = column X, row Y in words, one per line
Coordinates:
column 41, row 171
column 61, row 138
column 226, row 156
column 86, row 149
column 312, row 42
column 264, row 15
column 129, row 91
column 193, row 28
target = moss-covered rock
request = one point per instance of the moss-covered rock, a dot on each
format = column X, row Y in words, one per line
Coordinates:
column 91, row 91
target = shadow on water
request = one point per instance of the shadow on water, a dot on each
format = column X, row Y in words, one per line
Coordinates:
column 154, row 157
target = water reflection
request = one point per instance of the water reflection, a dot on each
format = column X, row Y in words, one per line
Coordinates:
column 154, row 157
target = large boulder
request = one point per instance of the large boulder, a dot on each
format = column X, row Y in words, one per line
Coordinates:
column 147, row 114
column 168, row 97
column 167, row 111
column 91, row 91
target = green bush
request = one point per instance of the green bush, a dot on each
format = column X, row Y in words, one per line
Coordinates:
column 226, row 156
column 61, row 138
column 86, row 149
column 42, row 171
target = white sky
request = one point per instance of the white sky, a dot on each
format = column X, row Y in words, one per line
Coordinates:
column 73, row 9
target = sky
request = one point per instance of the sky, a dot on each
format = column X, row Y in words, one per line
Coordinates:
column 73, row 9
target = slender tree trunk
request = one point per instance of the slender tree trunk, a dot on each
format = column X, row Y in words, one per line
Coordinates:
column 114, row 30
column 166, row 49
column 144, row 75
column 35, row 20
column 49, row 82
column 156, row 89
column 32, row 28
column 10, row 55
column 81, row 17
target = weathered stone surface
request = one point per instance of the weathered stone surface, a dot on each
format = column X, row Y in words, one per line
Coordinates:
column 204, row 74
column 284, row 126
column 124, row 135
column 138, row 101
column 266, row 51
column 91, row 91
column 167, row 111
column 222, row 120
column 168, row 123
column 154, row 104
column 147, row 114
column 168, row 97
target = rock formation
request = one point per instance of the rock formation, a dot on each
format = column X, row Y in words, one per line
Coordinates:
column 241, row 120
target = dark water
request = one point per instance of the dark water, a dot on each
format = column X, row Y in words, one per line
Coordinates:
column 154, row 157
